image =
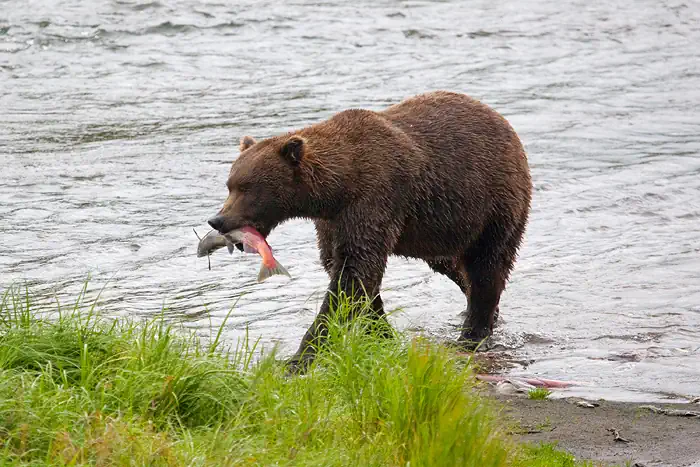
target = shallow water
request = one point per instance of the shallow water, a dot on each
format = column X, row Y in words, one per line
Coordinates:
column 120, row 119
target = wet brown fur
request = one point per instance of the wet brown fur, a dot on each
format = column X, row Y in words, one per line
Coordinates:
column 439, row 177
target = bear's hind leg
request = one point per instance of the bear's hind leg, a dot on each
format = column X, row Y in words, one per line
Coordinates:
column 487, row 284
column 488, row 264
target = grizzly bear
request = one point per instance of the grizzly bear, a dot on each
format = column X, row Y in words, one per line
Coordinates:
column 439, row 177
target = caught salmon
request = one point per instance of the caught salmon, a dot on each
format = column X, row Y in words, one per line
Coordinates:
column 252, row 241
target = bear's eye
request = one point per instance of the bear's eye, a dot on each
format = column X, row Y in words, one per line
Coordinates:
column 244, row 187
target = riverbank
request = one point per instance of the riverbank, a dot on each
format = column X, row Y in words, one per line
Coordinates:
column 77, row 388
column 645, row 439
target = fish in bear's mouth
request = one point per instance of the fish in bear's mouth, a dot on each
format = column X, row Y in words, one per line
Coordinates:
column 251, row 241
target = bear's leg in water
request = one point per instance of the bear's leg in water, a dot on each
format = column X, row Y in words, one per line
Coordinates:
column 456, row 271
column 488, row 264
column 487, row 285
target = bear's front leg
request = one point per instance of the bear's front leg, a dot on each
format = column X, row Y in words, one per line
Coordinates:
column 357, row 273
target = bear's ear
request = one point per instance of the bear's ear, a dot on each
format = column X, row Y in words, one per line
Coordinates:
column 246, row 142
column 293, row 149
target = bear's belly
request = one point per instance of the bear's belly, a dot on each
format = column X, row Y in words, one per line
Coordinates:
column 432, row 243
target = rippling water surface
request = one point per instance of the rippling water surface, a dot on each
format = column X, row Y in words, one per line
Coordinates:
column 119, row 120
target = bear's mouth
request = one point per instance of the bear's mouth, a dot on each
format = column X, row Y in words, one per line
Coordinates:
column 262, row 230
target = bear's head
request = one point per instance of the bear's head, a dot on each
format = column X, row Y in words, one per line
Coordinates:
column 271, row 181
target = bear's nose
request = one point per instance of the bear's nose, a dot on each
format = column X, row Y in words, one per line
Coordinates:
column 216, row 222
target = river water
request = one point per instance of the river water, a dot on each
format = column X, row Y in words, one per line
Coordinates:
column 119, row 121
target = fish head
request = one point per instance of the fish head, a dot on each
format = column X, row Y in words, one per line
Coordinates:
column 209, row 243
column 264, row 186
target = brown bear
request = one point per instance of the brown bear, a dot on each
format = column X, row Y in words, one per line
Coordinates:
column 440, row 177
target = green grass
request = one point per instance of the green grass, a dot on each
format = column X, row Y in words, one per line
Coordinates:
column 546, row 455
column 538, row 394
column 77, row 388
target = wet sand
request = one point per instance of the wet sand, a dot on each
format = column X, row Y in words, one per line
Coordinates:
column 654, row 439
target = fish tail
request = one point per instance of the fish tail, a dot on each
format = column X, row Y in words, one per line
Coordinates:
column 266, row 273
